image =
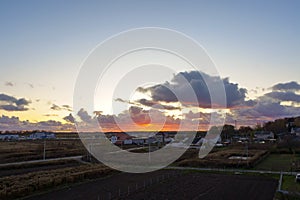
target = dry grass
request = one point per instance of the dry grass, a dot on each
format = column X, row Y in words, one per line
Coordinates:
column 33, row 150
column 221, row 159
column 22, row 185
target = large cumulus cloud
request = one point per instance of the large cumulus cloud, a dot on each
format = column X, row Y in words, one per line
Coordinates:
column 182, row 83
column 271, row 105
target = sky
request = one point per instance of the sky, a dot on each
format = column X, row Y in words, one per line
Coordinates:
column 43, row 44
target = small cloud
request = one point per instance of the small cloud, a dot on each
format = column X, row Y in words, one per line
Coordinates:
column 55, row 107
column 151, row 103
column 9, row 83
column 59, row 108
column 69, row 118
column 51, row 115
column 67, row 107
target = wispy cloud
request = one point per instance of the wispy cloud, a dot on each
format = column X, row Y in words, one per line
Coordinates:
column 59, row 108
column 9, row 83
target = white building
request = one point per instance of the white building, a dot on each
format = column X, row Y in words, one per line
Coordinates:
column 296, row 131
column 9, row 137
column 263, row 135
column 41, row 135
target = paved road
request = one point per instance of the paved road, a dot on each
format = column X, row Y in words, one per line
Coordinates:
column 39, row 161
column 233, row 170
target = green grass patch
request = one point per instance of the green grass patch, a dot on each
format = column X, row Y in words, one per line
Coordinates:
column 278, row 162
column 289, row 184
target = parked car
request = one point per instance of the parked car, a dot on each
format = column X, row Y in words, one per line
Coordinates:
column 298, row 178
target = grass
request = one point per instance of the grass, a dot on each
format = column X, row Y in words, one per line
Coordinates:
column 15, row 151
column 277, row 162
column 16, row 186
column 220, row 159
column 289, row 184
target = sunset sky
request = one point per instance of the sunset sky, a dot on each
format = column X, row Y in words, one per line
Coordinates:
column 255, row 46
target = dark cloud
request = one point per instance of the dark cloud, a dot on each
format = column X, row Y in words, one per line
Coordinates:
column 13, row 108
column 135, row 117
column 192, row 115
column 9, row 120
column 121, row 100
column 22, row 101
column 59, row 108
column 106, row 119
column 284, row 96
column 198, row 81
column 151, row 103
column 14, row 123
column 49, row 123
column 290, row 86
column 139, row 116
column 84, row 116
column 67, row 107
column 235, row 96
column 69, row 118
column 265, row 109
column 269, row 106
column 10, row 103
column 5, row 97
column 55, row 107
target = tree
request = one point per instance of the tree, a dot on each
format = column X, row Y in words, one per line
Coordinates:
column 245, row 130
column 227, row 131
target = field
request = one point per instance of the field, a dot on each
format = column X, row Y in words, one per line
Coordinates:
column 15, row 151
column 79, row 179
column 36, row 167
column 278, row 162
column 167, row 184
column 288, row 183
column 221, row 158
column 22, row 184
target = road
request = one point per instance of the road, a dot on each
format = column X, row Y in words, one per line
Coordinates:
column 39, row 161
column 233, row 170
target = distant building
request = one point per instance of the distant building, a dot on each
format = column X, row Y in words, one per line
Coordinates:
column 41, row 135
column 9, row 137
column 296, row 131
column 263, row 135
column 120, row 138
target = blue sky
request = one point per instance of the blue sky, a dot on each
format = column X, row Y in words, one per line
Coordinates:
column 43, row 43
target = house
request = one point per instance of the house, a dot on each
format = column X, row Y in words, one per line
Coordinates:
column 211, row 139
column 120, row 138
column 296, row 131
column 41, row 135
column 9, row 137
column 263, row 135
column 140, row 140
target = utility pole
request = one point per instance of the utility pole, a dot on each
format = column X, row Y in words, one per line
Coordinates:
column 44, row 155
